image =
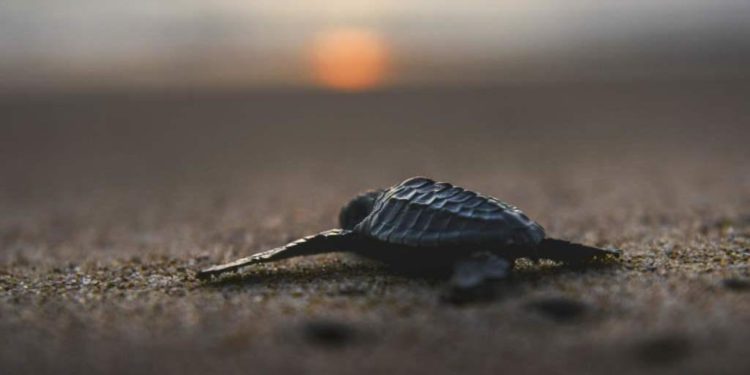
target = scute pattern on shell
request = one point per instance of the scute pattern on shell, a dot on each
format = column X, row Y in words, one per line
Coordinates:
column 422, row 212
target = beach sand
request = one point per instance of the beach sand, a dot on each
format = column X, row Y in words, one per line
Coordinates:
column 110, row 201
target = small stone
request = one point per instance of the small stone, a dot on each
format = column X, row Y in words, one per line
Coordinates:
column 736, row 284
column 560, row 309
column 663, row 350
column 351, row 290
column 328, row 333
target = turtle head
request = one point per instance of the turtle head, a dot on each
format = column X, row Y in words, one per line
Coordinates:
column 357, row 209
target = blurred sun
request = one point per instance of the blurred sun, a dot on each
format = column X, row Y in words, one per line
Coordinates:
column 349, row 59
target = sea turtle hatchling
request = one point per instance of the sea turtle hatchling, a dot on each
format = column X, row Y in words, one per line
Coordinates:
column 423, row 225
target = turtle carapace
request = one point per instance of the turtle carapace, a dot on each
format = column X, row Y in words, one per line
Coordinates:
column 423, row 225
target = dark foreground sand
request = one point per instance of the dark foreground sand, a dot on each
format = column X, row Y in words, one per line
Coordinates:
column 110, row 202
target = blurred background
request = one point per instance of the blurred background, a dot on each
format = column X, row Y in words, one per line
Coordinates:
column 360, row 45
column 120, row 97
column 355, row 94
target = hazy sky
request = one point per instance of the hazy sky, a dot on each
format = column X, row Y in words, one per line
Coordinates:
column 135, row 42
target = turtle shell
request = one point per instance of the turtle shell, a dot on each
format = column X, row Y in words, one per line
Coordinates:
column 425, row 213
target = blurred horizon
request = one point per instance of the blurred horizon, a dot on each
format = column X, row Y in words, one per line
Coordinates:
column 359, row 45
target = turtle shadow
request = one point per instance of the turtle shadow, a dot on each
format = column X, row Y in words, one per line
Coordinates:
column 346, row 273
column 519, row 282
column 531, row 273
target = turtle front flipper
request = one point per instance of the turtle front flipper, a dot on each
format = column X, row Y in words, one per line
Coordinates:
column 330, row 240
column 572, row 253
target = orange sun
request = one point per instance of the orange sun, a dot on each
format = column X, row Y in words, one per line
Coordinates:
column 349, row 59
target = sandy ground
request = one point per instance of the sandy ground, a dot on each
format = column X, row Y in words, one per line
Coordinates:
column 109, row 202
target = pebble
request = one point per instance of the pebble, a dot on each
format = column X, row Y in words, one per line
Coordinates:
column 736, row 284
column 328, row 333
column 560, row 309
column 663, row 350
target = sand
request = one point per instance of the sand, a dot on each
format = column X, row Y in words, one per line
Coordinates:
column 109, row 202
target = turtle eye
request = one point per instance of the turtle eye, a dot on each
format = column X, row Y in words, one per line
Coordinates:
column 358, row 209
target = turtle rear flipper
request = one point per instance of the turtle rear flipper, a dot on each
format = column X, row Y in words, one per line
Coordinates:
column 474, row 279
column 476, row 270
column 572, row 253
column 323, row 242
